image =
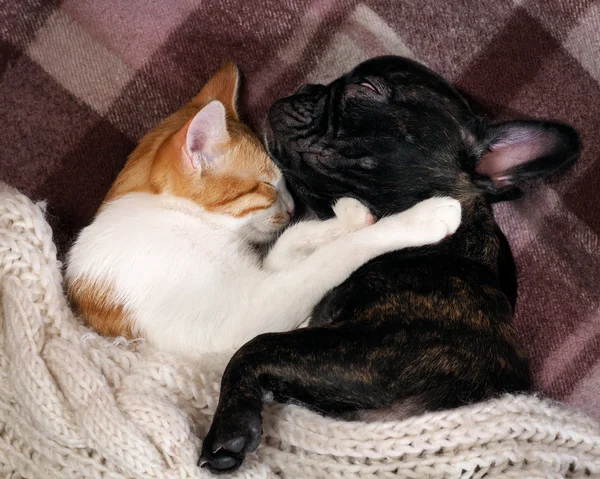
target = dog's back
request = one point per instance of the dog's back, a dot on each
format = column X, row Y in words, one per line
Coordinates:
column 447, row 311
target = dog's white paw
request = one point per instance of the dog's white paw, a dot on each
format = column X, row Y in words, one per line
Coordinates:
column 353, row 214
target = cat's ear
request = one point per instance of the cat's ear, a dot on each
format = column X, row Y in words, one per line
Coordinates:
column 206, row 136
column 223, row 86
column 517, row 152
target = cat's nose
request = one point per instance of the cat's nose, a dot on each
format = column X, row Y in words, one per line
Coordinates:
column 291, row 210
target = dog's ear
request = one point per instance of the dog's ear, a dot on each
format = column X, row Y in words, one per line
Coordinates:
column 517, row 152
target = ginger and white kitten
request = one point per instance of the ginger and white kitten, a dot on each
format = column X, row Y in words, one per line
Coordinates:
column 169, row 255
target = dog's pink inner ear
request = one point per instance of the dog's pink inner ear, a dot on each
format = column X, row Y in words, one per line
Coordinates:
column 514, row 146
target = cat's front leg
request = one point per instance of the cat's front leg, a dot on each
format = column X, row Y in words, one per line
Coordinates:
column 302, row 239
column 285, row 299
column 428, row 222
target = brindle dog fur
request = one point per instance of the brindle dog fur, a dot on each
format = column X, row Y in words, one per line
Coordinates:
column 416, row 330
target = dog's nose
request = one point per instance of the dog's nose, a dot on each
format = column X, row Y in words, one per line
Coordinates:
column 308, row 89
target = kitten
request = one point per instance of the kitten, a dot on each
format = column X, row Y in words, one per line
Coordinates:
column 169, row 255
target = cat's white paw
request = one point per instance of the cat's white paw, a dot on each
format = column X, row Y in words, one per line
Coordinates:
column 353, row 214
column 428, row 222
column 438, row 213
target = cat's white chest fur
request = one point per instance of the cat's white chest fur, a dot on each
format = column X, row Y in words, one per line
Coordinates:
column 191, row 284
column 177, row 275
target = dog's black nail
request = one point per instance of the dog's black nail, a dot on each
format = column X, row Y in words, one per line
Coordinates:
column 235, row 445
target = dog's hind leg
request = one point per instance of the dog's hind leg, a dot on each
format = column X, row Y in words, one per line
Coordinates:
column 326, row 368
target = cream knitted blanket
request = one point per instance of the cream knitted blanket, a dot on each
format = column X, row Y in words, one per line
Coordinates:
column 76, row 405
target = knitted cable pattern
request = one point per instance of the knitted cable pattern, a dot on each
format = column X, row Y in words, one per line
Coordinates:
column 76, row 405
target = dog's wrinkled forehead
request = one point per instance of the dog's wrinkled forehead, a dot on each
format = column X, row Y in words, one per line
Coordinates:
column 388, row 125
column 402, row 80
column 391, row 132
column 382, row 97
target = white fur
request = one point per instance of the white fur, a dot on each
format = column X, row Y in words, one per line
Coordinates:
column 193, row 284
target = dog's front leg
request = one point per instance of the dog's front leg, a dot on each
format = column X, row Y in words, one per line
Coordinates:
column 326, row 368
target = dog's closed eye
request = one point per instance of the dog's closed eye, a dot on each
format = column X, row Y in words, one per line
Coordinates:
column 369, row 85
column 363, row 88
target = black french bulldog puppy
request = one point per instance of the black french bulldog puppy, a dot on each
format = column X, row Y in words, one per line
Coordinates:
column 415, row 330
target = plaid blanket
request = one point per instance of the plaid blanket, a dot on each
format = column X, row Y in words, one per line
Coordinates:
column 82, row 80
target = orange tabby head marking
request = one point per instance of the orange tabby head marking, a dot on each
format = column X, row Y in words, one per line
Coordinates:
column 205, row 154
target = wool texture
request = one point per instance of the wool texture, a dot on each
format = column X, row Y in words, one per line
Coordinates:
column 77, row 405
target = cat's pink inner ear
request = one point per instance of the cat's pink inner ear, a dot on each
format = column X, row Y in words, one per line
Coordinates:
column 516, row 148
column 206, row 135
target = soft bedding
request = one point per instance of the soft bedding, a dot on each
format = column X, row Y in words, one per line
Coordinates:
column 81, row 81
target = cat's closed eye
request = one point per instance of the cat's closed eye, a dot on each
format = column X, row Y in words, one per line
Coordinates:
column 269, row 185
column 267, row 190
